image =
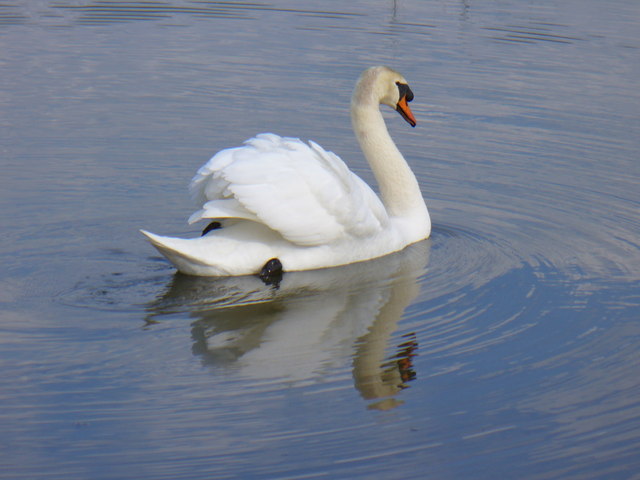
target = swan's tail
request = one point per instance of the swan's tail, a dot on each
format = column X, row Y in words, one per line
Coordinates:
column 184, row 254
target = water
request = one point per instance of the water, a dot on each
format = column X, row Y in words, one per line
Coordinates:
column 505, row 346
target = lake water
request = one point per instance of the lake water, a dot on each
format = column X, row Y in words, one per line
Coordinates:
column 506, row 346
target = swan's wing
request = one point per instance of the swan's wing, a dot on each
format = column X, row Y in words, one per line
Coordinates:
column 303, row 192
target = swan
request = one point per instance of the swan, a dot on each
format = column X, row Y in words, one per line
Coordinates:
column 279, row 204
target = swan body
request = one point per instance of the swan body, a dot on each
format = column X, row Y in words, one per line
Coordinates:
column 281, row 198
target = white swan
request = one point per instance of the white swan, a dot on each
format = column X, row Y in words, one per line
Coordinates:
column 285, row 205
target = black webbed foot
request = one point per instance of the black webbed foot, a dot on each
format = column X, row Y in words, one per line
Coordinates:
column 215, row 225
column 271, row 273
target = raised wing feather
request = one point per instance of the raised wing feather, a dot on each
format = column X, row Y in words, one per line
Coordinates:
column 303, row 192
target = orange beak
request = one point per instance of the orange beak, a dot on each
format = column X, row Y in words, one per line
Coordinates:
column 403, row 108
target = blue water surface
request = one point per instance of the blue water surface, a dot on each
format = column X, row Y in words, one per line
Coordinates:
column 506, row 346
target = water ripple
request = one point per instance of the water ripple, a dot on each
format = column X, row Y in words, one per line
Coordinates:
column 531, row 34
column 105, row 12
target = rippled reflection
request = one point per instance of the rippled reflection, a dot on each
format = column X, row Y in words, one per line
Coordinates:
column 310, row 323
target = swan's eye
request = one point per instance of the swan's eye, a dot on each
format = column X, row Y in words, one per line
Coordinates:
column 405, row 91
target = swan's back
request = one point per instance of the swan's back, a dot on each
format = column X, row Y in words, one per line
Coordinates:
column 301, row 191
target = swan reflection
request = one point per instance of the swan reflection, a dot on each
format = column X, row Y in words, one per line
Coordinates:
column 310, row 323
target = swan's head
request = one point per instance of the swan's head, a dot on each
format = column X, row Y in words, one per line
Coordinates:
column 383, row 85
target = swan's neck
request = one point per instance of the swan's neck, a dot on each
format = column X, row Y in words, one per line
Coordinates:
column 399, row 188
